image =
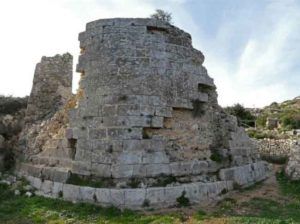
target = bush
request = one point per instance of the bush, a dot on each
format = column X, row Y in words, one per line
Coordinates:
column 244, row 117
column 10, row 105
column 261, row 120
column 182, row 200
column 162, row 15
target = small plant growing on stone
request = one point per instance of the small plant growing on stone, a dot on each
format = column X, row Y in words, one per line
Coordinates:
column 215, row 156
column 123, row 98
column 60, row 194
column 182, row 200
column 133, row 182
column 146, row 203
column 110, row 149
column 162, row 15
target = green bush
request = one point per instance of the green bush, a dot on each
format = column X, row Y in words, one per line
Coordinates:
column 182, row 200
column 10, row 104
column 244, row 117
column 89, row 181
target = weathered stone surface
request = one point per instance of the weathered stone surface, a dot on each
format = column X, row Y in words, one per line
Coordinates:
column 52, row 87
column 147, row 116
column 247, row 174
column 71, row 192
column 293, row 167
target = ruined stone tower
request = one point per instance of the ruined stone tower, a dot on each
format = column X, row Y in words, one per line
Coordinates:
column 147, row 128
column 52, row 87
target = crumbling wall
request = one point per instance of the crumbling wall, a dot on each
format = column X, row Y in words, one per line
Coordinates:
column 52, row 87
column 147, row 118
column 46, row 113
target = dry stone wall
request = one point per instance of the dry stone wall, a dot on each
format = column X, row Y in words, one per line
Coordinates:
column 147, row 117
column 275, row 148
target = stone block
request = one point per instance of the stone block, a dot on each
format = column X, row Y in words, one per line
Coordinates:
column 117, row 197
column 103, row 196
column 135, row 197
column 153, row 170
column 87, row 194
column 155, row 157
column 124, row 133
column 46, row 187
column 129, row 110
column 163, row 111
column 122, row 171
column 101, row 170
column 97, row 133
column 157, row 122
column 130, row 157
column 71, row 192
column 57, row 189
column 155, row 195
column 172, row 193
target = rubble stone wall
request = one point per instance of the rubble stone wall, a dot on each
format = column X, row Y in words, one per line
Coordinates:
column 52, row 87
column 275, row 147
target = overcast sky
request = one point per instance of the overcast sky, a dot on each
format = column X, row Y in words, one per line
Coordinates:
column 252, row 47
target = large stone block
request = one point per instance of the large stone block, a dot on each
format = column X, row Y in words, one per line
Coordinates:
column 71, row 192
column 135, row 197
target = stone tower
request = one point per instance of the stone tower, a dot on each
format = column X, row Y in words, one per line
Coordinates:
column 147, row 128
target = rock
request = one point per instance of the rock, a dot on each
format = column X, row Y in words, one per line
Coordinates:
column 28, row 188
column 2, row 139
column 292, row 169
column 28, row 194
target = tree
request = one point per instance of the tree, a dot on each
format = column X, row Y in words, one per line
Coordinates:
column 244, row 117
column 162, row 15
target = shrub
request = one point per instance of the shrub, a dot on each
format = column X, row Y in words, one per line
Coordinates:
column 182, row 200
column 244, row 117
column 10, row 105
column 162, row 15
column 89, row 181
column 215, row 156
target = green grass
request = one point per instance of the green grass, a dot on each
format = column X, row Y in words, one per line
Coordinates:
column 20, row 209
column 288, row 187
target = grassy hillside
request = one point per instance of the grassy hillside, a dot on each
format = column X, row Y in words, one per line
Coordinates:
column 287, row 112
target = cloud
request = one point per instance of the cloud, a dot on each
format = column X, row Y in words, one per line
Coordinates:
column 262, row 71
column 251, row 49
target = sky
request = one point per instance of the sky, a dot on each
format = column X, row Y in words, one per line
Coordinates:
column 251, row 47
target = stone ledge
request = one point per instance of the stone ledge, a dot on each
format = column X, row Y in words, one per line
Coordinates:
column 134, row 198
column 246, row 175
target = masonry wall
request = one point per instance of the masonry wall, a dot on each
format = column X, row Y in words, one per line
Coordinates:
column 52, row 87
column 147, row 116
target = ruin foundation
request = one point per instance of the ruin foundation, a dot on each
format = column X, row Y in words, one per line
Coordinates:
column 146, row 128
